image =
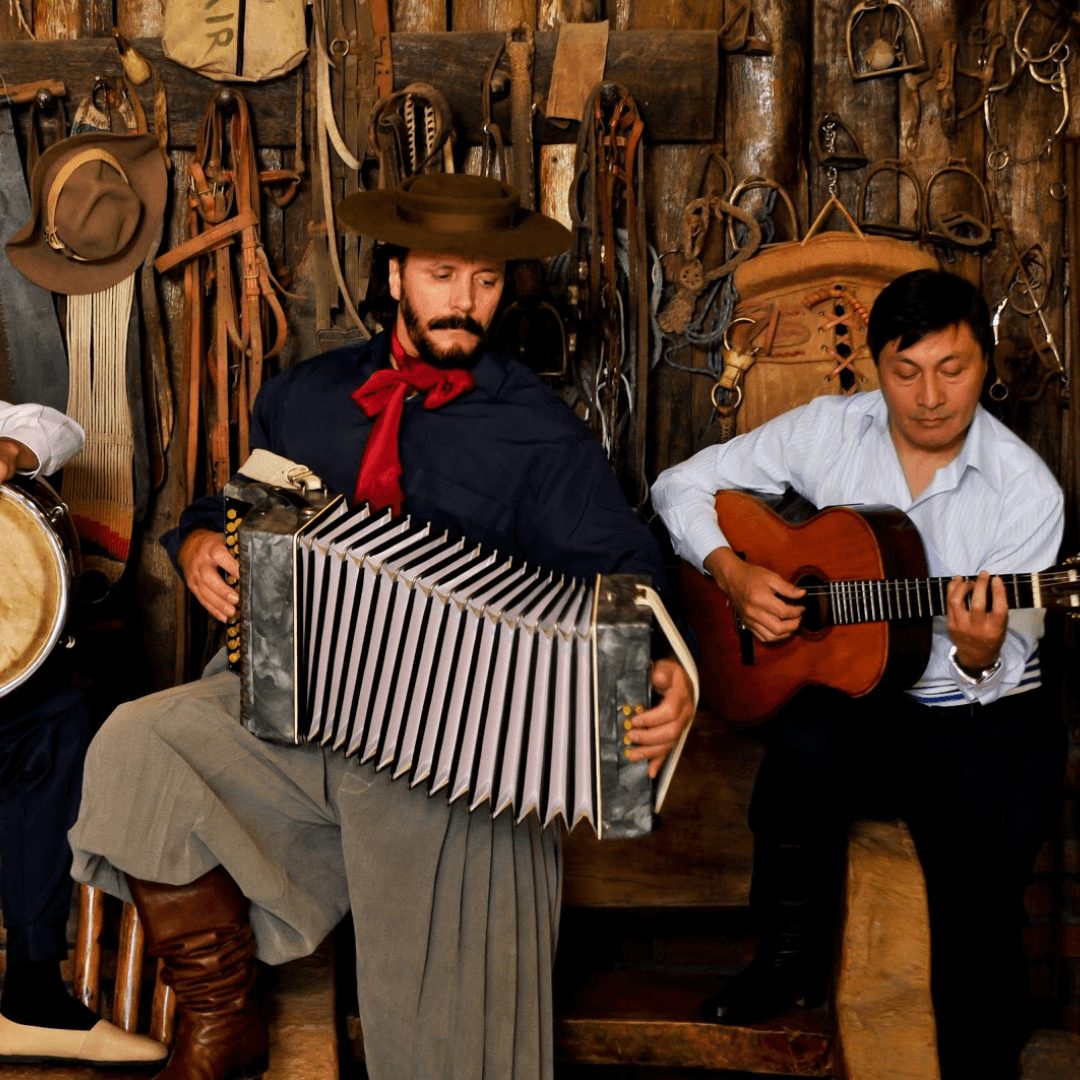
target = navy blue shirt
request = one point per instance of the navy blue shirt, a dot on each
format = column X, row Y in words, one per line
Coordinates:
column 507, row 464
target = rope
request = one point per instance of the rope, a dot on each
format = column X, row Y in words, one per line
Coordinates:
column 98, row 483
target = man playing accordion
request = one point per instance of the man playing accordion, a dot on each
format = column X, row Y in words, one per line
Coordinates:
column 246, row 848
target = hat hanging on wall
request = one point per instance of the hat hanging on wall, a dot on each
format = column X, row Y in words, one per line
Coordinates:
column 96, row 203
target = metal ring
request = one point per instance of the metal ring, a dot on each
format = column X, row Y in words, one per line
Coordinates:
column 997, row 159
column 998, row 390
column 1058, row 191
column 735, row 322
column 338, row 47
column 720, row 407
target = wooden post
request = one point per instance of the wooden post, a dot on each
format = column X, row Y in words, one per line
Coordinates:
column 91, row 924
column 884, row 1017
column 129, row 958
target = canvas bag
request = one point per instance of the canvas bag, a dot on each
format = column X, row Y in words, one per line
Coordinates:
column 241, row 40
column 799, row 327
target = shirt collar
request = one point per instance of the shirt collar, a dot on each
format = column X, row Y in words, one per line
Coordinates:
column 978, row 452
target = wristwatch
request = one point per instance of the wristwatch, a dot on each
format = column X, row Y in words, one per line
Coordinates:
column 973, row 680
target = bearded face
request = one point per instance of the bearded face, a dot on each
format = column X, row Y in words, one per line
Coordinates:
column 446, row 304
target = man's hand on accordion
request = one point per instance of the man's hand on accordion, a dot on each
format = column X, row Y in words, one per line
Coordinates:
column 656, row 731
column 203, row 557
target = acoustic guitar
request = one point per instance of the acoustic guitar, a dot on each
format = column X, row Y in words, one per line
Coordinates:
column 867, row 610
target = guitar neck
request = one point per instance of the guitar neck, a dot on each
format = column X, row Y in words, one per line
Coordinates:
column 911, row 598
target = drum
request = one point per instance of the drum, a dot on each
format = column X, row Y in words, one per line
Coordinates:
column 39, row 561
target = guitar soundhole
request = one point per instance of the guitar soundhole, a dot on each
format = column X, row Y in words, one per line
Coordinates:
column 816, row 619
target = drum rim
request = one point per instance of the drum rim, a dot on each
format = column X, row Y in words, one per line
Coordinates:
column 26, row 499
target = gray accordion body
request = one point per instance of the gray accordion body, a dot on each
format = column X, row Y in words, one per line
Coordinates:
column 471, row 673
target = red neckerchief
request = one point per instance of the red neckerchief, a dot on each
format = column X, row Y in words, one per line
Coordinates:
column 383, row 397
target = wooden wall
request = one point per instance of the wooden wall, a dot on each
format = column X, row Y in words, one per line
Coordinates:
column 766, row 120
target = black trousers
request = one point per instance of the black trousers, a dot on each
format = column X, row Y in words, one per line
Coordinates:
column 979, row 787
column 43, row 735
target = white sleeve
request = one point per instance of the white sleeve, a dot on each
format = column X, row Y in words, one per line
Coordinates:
column 52, row 436
column 684, row 495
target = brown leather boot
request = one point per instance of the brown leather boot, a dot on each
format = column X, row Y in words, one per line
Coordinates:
column 201, row 933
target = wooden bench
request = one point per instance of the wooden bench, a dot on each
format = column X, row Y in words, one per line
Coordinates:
column 652, row 926
column 111, row 974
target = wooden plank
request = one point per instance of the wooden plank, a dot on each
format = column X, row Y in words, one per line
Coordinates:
column 649, row 1019
column 672, row 75
column 272, row 103
column 699, row 856
column 493, row 14
column 867, row 108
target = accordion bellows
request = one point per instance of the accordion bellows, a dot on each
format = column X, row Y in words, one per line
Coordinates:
column 482, row 677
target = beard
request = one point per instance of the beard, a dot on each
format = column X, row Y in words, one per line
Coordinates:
column 456, row 356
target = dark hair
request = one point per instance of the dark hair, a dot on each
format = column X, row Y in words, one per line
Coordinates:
column 924, row 302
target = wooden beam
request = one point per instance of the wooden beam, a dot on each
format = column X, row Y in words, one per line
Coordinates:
column 81, row 60
column 673, row 75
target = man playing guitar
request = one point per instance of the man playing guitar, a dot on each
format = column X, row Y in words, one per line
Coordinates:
column 971, row 756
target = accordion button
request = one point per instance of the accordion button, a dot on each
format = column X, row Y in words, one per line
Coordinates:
column 626, row 710
column 234, row 658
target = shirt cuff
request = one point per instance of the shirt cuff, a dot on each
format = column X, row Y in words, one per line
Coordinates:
column 973, row 687
column 32, row 438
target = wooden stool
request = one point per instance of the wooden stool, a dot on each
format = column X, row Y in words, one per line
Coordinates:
column 129, row 966
column 299, row 1007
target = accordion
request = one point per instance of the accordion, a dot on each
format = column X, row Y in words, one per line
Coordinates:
column 497, row 682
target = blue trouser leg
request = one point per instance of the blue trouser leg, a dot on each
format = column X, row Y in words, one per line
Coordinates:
column 40, row 786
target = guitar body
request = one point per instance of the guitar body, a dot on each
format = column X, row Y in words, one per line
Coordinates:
column 743, row 681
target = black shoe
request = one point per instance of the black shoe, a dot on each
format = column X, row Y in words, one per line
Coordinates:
column 743, row 1002
column 776, row 980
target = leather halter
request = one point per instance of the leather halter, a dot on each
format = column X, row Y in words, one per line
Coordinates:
column 226, row 332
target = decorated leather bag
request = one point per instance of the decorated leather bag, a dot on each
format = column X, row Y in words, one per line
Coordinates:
column 799, row 327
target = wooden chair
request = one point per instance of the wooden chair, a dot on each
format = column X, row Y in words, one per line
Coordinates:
column 127, row 987
column 110, row 975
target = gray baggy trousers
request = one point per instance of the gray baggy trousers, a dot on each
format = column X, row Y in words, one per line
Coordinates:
column 456, row 914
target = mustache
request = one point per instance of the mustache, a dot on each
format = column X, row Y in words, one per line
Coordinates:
column 457, row 322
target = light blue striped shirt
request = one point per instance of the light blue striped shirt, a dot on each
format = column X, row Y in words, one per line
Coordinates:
column 995, row 506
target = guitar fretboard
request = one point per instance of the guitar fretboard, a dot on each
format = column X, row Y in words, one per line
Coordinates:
column 860, row 601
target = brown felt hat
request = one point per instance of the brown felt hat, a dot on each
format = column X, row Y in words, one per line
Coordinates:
column 455, row 214
column 96, row 202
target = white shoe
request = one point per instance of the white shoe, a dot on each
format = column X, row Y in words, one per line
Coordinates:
column 103, row 1044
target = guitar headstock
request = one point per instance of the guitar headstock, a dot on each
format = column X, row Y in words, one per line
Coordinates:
column 1060, row 586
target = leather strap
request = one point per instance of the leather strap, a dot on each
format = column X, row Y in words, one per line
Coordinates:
column 227, row 349
column 607, row 204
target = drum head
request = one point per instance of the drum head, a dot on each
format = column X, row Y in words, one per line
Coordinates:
column 34, row 582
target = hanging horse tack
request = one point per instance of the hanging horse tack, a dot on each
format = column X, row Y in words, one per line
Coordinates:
column 891, row 228
column 958, row 228
column 757, row 183
column 693, row 278
column 835, row 146
column 1032, row 274
column 873, row 52
column 727, row 392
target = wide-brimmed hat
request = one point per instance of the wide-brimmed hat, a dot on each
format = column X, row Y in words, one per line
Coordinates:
column 96, row 202
column 455, row 214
